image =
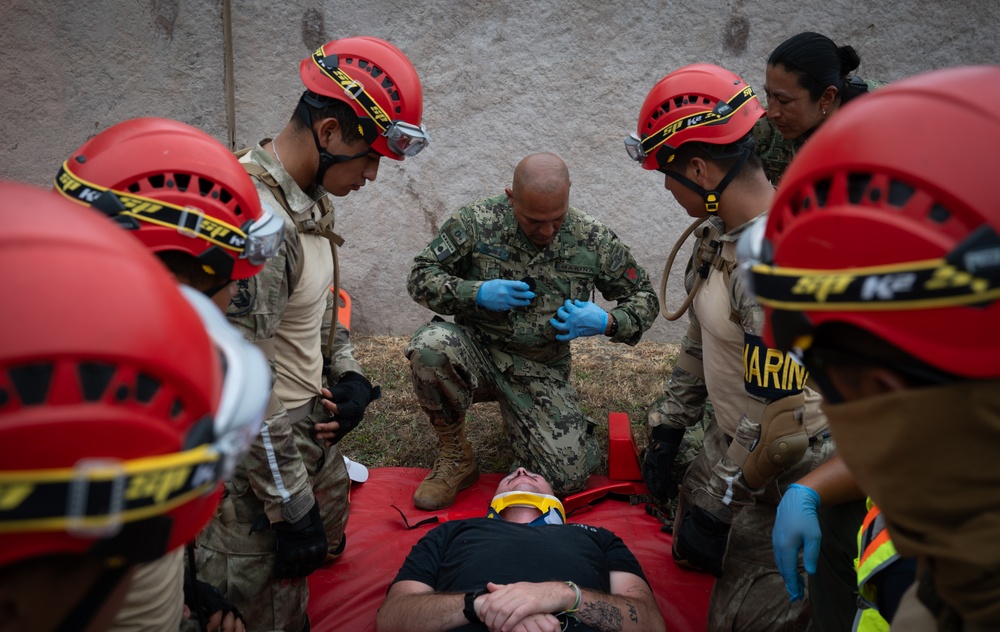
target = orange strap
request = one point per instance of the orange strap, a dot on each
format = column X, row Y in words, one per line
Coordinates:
column 343, row 307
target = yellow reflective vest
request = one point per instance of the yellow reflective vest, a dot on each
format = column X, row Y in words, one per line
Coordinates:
column 875, row 552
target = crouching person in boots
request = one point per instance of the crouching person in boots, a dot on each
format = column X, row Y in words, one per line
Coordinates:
column 518, row 272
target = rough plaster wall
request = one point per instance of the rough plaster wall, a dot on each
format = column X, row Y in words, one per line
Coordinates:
column 72, row 69
column 501, row 79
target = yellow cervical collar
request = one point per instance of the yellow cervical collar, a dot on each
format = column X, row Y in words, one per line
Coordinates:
column 541, row 502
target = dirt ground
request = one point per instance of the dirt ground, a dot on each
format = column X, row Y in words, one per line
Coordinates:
column 396, row 433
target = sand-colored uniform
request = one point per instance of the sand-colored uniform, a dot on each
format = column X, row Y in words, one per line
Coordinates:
column 287, row 310
column 740, row 376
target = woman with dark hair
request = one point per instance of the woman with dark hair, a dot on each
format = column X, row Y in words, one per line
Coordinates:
column 808, row 79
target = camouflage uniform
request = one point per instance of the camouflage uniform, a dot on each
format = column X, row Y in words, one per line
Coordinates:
column 287, row 468
column 775, row 151
column 513, row 357
column 750, row 595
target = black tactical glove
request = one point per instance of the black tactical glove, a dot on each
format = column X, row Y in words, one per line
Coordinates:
column 301, row 546
column 204, row 600
column 351, row 394
column 657, row 466
column 701, row 541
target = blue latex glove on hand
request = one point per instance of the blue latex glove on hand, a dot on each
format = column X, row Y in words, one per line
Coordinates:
column 579, row 318
column 796, row 528
column 500, row 295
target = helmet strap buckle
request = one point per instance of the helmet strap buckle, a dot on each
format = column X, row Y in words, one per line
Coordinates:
column 713, row 197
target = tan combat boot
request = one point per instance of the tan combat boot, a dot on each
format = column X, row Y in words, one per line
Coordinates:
column 454, row 470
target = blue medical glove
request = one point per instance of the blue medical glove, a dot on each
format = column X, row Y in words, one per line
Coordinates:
column 579, row 318
column 500, row 295
column 796, row 528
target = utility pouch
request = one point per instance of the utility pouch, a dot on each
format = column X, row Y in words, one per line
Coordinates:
column 783, row 441
column 227, row 511
column 700, row 542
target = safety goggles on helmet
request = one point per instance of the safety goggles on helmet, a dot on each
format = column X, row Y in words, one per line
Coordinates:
column 406, row 139
column 255, row 241
column 640, row 148
column 265, row 236
column 550, row 506
column 98, row 497
column 402, row 138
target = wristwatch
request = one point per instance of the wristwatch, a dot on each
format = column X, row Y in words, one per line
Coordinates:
column 470, row 605
column 612, row 326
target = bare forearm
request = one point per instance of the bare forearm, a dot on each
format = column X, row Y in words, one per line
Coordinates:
column 427, row 612
column 833, row 482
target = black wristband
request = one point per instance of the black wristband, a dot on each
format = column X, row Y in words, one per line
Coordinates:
column 614, row 326
column 470, row 606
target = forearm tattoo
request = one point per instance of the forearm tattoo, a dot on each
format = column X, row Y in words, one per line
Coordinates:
column 602, row 616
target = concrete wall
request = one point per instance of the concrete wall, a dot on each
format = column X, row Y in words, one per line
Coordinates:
column 501, row 79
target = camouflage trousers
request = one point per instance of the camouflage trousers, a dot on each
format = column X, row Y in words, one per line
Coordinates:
column 240, row 562
column 548, row 432
column 694, row 438
column 750, row 595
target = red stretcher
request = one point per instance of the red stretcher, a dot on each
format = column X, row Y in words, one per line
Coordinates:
column 346, row 596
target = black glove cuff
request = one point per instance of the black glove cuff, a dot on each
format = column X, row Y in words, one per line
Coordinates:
column 353, row 376
column 375, row 392
column 312, row 517
column 668, row 435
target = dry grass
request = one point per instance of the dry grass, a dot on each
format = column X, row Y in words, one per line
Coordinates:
column 396, row 433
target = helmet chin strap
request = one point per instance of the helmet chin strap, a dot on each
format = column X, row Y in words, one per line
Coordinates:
column 326, row 159
column 712, row 197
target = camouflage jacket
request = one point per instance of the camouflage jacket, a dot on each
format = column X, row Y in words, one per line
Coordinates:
column 274, row 467
column 483, row 241
column 775, row 151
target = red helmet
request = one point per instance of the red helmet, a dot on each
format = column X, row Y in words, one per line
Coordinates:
column 214, row 212
column 887, row 220
column 382, row 86
column 110, row 390
column 700, row 102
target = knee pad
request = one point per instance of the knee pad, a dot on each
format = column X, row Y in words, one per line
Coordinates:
column 783, row 441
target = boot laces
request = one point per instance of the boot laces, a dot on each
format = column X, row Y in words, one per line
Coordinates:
column 450, row 459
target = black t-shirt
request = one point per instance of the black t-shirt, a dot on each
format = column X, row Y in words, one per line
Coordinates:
column 462, row 556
